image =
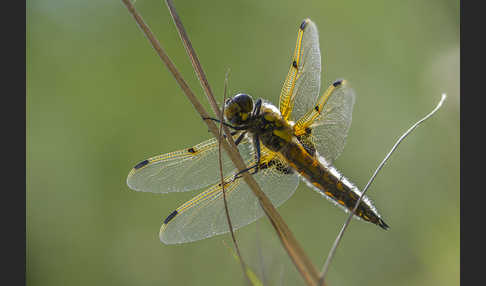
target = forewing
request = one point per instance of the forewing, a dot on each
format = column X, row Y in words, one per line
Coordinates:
column 326, row 124
column 204, row 215
column 184, row 170
column 302, row 85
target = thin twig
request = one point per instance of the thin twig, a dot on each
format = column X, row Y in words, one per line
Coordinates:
column 295, row 251
column 325, row 268
column 194, row 58
column 252, row 277
column 260, row 253
column 170, row 65
column 228, row 218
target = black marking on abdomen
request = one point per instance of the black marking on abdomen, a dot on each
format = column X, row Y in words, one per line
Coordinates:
column 382, row 224
column 170, row 217
column 330, row 182
column 341, row 192
column 141, row 164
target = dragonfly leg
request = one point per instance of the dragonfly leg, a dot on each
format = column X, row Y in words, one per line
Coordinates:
column 256, row 142
column 238, row 175
column 238, row 140
column 226, row 124
column 256, row 109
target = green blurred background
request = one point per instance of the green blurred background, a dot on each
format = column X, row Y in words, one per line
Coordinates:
column 99, row 100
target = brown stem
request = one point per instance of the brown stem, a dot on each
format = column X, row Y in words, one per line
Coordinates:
column 325, row 268
column 293, row 248
column 228, row 218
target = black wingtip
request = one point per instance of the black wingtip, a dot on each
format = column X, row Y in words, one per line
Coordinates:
column 303, row 24
column 141, row 164
column 382, row 224
column 170, row 217
column 337, row 83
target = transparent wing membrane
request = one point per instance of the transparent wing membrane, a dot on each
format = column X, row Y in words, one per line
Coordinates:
column 322, row 122
column 325, row 125
column 321, row 125
column 184, row 170
column 204, row 215
column 302, row 85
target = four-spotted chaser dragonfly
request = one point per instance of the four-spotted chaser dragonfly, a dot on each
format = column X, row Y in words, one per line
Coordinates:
column 298, row 140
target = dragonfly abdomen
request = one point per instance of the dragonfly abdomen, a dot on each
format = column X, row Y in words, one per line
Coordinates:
column 326, row 180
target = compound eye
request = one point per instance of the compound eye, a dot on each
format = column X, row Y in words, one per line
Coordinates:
column 244, row 101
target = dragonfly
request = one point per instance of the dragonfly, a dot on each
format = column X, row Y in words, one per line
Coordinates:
column 298, row 141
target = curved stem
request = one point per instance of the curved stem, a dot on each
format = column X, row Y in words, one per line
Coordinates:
column 332, row 252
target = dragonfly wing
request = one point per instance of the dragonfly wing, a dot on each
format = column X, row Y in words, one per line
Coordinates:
column 302, row 85
column 184, row 170
column 325, row 126
column 204, row 215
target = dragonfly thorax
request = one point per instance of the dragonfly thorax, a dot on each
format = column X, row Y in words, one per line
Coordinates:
column 262, row 120
column 272, row 130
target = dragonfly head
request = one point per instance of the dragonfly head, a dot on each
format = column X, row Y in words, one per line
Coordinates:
column 237, row 110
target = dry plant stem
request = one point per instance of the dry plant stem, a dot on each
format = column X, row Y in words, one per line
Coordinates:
column 156, row 45
column 296, row 253
column 228, row 218
column 260, row 254
column 325, row 268
column 194, row 59
column 302, row 262
column 197, row 67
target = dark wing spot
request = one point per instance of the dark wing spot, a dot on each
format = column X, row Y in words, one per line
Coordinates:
column 294, row 64
column 284, row 169
column 141, row 164
column 337, row 82
column 266, row 165
column 263, row 166
column 304, row 23
column 191, row 150
column 170, row 217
